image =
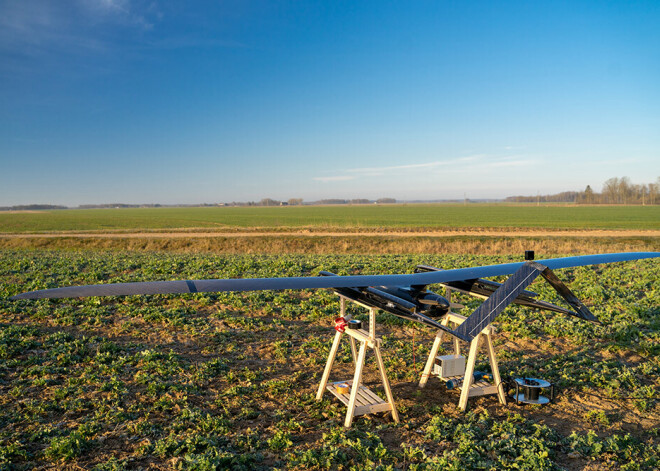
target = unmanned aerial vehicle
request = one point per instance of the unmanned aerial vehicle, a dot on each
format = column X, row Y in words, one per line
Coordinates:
column 404, row 295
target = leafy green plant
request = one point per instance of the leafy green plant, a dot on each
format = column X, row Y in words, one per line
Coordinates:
column 228, row 380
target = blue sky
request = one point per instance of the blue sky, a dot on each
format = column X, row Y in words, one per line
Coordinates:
column 188, row 102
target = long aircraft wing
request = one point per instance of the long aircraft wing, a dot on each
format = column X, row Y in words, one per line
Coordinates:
column 315, row 282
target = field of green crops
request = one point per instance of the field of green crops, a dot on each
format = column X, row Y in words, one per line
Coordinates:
column 227, row 381
column 363, row 217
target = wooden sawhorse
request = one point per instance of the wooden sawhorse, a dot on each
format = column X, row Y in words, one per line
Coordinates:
column 469, row 388
column 360, row 400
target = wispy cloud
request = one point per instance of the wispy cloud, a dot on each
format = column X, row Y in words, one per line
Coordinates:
column 128, row 12
column 390, row 168
column 21, row 22
column 339, row 178
column 193, row 41
column 28, row 27
column 353, row 173
column 621, row 161
column 511, row 163
column 471, row 158
column 71, row 38
column 484, row 163
column 458, row 165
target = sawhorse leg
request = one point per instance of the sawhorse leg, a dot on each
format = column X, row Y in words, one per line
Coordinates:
column 501, row 394
column 355, row 386
column 342, row 313
column 328, row 366
column 434, row 351
column 386, row 384
column 429, row 363
column 469, row 372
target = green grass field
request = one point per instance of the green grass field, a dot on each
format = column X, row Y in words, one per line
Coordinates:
column 227, row 380
column 363, row 217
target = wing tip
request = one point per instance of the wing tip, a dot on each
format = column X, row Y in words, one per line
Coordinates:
column 27, row 295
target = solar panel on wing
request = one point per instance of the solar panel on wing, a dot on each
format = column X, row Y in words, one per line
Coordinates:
column 498, row 301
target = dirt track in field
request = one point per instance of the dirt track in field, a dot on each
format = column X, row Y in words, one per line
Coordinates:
column 357, row 233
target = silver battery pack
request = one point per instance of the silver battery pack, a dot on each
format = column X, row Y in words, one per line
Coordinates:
column 447, row 366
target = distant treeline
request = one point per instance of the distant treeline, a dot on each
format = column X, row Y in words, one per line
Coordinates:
column 31, row 207
column 299, row 202
column 263, row 202
column 615, row 191
column 117, row 205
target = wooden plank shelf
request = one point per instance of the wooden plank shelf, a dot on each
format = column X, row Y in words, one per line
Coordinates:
column 478, row 388
column 367, row 402
column 481, row 388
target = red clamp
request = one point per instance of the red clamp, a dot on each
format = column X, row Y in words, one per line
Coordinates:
column 340, row 324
